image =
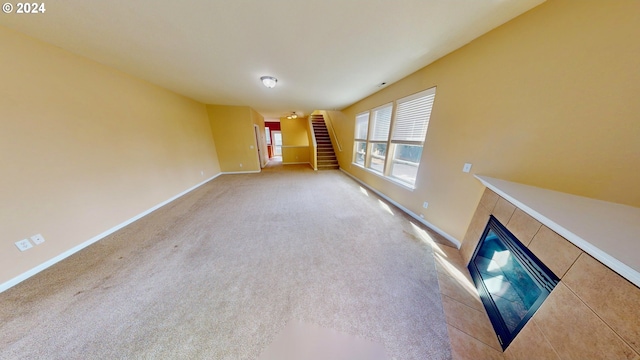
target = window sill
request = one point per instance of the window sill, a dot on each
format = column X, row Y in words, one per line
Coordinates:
column 387, row 178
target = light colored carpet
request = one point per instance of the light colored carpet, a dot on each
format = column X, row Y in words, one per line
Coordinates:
column 306, row 341
column 220, row 272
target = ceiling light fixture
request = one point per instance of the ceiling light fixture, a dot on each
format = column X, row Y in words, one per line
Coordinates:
column 292, row 116
column 269, row 81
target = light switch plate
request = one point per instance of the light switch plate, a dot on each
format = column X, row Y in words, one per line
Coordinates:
column 466, row 168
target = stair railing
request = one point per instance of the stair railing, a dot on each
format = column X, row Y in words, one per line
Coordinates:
column 329, row 122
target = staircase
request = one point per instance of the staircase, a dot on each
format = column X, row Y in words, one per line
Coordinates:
column 326, row 156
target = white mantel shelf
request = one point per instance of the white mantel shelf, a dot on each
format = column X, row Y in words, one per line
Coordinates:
column 607, row 231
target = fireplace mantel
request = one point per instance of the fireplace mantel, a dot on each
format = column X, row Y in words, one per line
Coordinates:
column 607, row 231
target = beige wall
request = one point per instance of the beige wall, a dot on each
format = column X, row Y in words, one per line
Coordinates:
column 232, row 128
column 258, row 120
column 84, row 148
column 548, row 99
column 294, row 131
column 295, row 140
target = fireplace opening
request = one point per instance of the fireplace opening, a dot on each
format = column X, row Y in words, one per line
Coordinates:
column 511, row 281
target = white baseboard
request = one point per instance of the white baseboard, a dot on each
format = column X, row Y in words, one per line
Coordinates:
column 453, row 240
column 240, row 172
column 18, row 279
column 296, row 163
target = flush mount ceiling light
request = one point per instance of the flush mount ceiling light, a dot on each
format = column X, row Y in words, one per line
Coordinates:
column 292, row 116
column 269, row 81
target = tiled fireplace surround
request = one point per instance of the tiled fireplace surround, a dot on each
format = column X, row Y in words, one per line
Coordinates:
column 593, row 313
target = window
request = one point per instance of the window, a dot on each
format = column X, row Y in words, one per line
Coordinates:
column 391, row 143
column 360, row 143
column 379, row 136
column 409, row 132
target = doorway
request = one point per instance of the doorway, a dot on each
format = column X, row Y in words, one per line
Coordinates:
column 277, row 143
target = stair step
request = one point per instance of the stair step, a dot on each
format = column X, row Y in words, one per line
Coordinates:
column 326, row 156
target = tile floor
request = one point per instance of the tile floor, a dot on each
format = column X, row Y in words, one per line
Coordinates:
column 470, row 331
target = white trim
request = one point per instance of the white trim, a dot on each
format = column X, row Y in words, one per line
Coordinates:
column 314, row 144
column 453, row 240
column 29, row 273
column 389, row 178
column 240, row 172
column 607, row 231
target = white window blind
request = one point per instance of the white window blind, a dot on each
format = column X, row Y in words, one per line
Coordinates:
column 381, row 123
column 412, row 116
column 362, row 125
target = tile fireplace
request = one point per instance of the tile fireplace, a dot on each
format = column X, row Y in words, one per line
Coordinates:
column 511, row 281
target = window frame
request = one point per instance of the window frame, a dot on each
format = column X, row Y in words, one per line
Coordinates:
column 393, row 143
column 389, row 160
column 358, row 140
column 372, row 142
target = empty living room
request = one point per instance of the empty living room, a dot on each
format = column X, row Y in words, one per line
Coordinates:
column 414, row 179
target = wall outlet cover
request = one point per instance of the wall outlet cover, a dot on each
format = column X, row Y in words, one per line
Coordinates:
column 37, row 239
column 466, row 168
column 425, row 204
column 24, row 244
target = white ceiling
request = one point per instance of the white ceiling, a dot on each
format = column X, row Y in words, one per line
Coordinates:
column 326, row 54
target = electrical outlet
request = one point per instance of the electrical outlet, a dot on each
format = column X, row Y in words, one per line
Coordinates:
column 240, row 164
column 37, row 239
column 23, row 245
column 201, row 172
column 466, row 168
column 425, row 204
